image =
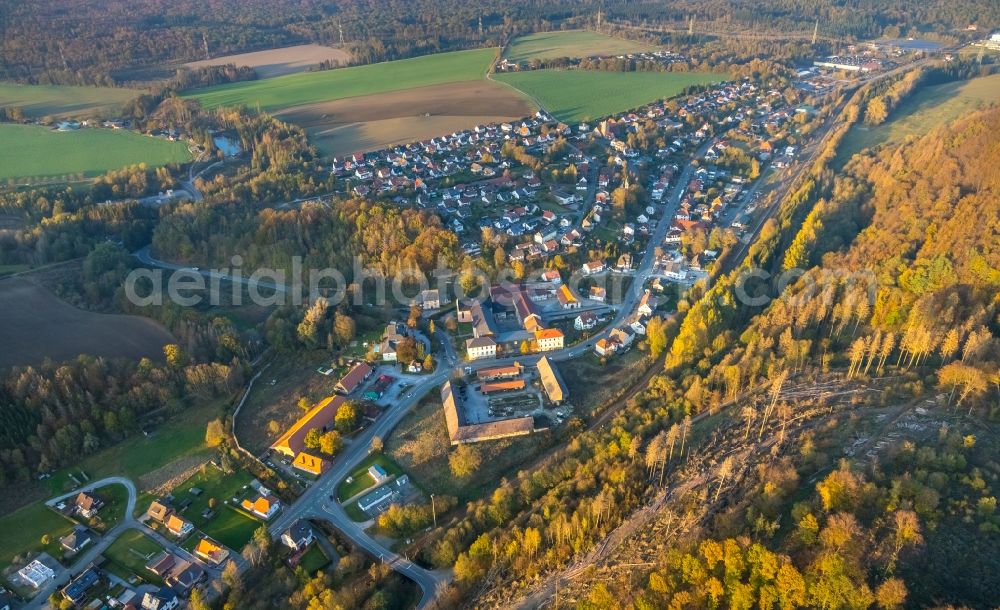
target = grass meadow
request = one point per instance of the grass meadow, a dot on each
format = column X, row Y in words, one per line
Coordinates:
column 926, row 109
column 571, row 43
column 29, row 151
column 22, row 531
column 582, row 95
column 313, row 87
column 64, row 101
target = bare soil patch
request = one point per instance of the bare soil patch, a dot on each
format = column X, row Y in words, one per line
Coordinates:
column 276, row 62
column 372, row 122
column 37, row 325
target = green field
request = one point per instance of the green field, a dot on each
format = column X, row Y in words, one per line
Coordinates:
column 22, row 531
column 64, row 101
column 926, row 109
column 129, row 554
column 311, row 87
column 180, row 437
column 579, row 95
column 35, row 151
column 571, row 43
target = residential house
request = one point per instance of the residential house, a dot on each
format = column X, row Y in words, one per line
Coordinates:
column 185, row 576
column 623, row 335
column 310, row 464
column 298, row 536
column 549, row 339
column 36, row 573
column 177, row 526
column 593, row 267
column 551, row 275
column 162, row 564
column 481, row 347
column 88, row 503
column 598, row 294
column 159, row 511
column 395, row 332
column 430, row 299
column 211, row 551
column 78, row 538
column 605, row 347
column 585, row 321
column 162, row 599
column 76, row 590
column 647, row 304
column 264, row 506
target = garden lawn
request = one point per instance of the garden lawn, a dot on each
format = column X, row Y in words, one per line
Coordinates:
column 231, row 527
column 580, row 95
column 29, row 151
column 311, row 87
column 129, row 554
column 314, row 559
column 362, row 480
column 22, row 531
column 115, row 502
column 571, row 43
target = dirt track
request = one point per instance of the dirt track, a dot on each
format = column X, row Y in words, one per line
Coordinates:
column 375, row 121
column 36, row 325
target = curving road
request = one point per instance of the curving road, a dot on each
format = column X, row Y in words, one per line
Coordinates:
column 319, row 501
column 95, row 549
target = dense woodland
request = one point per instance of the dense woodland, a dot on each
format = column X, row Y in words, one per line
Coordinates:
column 108, row 43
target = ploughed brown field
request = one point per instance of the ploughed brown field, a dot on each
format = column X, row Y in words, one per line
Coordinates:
column 276, row 62
column 373, row 122
column 36, row 325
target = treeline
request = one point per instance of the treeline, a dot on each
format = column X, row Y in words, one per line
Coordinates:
column 54, row 414
column 206, row 76
column 77, row 49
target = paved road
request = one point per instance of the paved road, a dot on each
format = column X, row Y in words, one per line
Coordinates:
column 144, row 256
column 316, row 502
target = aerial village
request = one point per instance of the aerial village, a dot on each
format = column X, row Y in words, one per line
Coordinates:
column 601, row 239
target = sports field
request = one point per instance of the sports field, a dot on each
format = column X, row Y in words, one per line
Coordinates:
column 63, row 101
column 571, row 43
column 926, row 109
column 39, row 152
column 578, row 95
column 314, row 87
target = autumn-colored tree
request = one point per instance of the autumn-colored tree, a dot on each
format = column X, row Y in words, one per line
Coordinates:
column 346, row 419
column 464, row 461
column 214, row 433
